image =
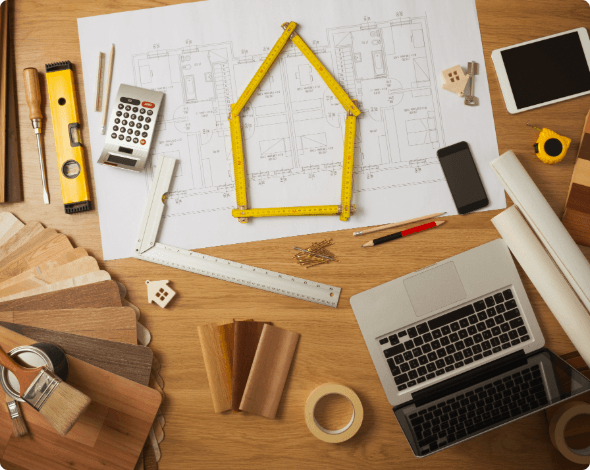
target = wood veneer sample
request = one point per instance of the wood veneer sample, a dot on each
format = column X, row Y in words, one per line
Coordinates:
column 20, row 238
column 216, row 349
column 85, row 279
column 40, row 254
column 126, row 360
column 110, row 434
column 109, row 323
column 9, row 225
column 246, row 338
column 97, row 295
column 269, row 371
column 78, row 267
column 41, row 269
column 40, row 239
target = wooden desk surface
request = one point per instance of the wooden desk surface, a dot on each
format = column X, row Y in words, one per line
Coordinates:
column 331, row 346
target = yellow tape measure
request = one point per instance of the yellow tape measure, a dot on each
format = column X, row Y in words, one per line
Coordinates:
column 347, row 165
column 284, row 211
column 345, row 209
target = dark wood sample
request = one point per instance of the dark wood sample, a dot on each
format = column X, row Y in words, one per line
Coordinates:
column 97, row 295
column 246, row 338
column 125, row 360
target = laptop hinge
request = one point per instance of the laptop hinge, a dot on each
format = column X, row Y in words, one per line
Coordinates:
column 469, row 378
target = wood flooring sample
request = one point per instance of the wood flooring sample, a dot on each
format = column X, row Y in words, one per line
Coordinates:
column 100, row 294
column 125, row 360
column 269, row 371
column 9, row 225
column 217, row 349
column 246, row 338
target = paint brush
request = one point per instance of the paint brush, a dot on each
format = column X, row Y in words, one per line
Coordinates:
column 19, row 427
column 59, row 403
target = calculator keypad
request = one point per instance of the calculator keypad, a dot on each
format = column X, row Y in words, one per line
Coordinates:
column 130, row 121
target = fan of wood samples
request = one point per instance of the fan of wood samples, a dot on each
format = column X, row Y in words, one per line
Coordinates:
column 53, row 292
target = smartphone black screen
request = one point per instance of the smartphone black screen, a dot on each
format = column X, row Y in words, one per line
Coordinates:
column 462, row 177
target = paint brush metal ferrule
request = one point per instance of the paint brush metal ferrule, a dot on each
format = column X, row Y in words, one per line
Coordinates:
column 13, row 409
column 41, row 389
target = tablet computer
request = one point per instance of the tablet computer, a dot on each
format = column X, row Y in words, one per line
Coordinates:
column 544, row 71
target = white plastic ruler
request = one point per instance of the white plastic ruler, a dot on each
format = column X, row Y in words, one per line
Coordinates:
column 148, row 249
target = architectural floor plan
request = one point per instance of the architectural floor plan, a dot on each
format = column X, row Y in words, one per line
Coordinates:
column 387, row 55
column 293, row 127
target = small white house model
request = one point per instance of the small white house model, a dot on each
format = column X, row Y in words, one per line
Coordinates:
column 455, row 80
column 159, row 292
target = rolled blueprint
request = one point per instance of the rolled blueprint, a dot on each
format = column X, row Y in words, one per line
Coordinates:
column 545, row 223
column 546, row 277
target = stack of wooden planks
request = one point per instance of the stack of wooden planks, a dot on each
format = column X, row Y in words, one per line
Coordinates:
column 53, row 292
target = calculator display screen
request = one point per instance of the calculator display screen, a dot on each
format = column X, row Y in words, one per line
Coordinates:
column 547, row 70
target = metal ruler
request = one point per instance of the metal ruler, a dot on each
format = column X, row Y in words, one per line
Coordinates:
column 148, row 249
column 242, row 213
column 347, row 165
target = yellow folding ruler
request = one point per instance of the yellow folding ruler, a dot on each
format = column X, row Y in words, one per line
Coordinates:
column 345, row 208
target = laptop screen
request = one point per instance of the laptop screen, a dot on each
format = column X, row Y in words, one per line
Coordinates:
column 486, row 398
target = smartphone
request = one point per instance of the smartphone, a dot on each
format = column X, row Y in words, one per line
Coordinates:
column 544, row 71
column 462, row 177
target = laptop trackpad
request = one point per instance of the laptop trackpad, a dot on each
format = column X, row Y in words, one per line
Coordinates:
column 435, row 288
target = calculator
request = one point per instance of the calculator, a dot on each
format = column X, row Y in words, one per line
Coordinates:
column 130, row 130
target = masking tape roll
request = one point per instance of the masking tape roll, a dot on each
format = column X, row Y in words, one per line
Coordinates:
column 557, row 431
column 347, row 431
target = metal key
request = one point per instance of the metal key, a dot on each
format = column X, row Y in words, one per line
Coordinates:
column 472, row 71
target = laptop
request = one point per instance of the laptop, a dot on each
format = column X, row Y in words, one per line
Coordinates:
column 459, row 351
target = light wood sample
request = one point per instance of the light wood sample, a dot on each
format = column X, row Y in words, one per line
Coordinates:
column 35, row 242
column 21, row 237
column 269, row 371
column 109, row 323
column 215, row 356
column 110, row 434
column 126, row 360
column 9, row 225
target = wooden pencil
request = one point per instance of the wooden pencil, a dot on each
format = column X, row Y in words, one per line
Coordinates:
column 404, row 233
column 398, row 224
column 107, row 92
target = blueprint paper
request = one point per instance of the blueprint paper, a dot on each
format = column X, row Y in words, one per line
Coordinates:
column 388, row 55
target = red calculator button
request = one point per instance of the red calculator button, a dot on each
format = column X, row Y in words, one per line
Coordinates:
column 142, row 141
column 147, row 104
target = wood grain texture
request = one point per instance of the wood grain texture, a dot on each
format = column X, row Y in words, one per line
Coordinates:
column 44, row 35
column 270, row 368
column 110, row 323
column 76, row 268
column 246, row 338
column 42, row 253
column 21, row 237
column 66, row 257
column 216, row 361
column 86, row 279
column 40, row 239
column 3, row 95
column 110, row 434
column 100, row 294
column 9, row 225
column 125, row 360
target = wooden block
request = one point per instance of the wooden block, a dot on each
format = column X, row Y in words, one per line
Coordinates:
column 21, row 237
column 91, row 278
column 110, row 434
column 215, row 355
column 97, row 295
column 57, row 245
column 269, row 371
column 9, row 225
column 126, row 360
column 109, row 323
column 246, row 338
column 60, row 259
column 76, row 268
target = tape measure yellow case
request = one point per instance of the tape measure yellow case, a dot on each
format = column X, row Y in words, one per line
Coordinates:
column 66, row 129
column 242, row 213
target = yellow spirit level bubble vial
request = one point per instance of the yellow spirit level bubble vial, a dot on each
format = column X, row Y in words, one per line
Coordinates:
column 550, row 146
column 66, row 128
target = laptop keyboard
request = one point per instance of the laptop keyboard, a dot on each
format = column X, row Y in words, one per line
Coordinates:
column 443, row 423
column 455, row 339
